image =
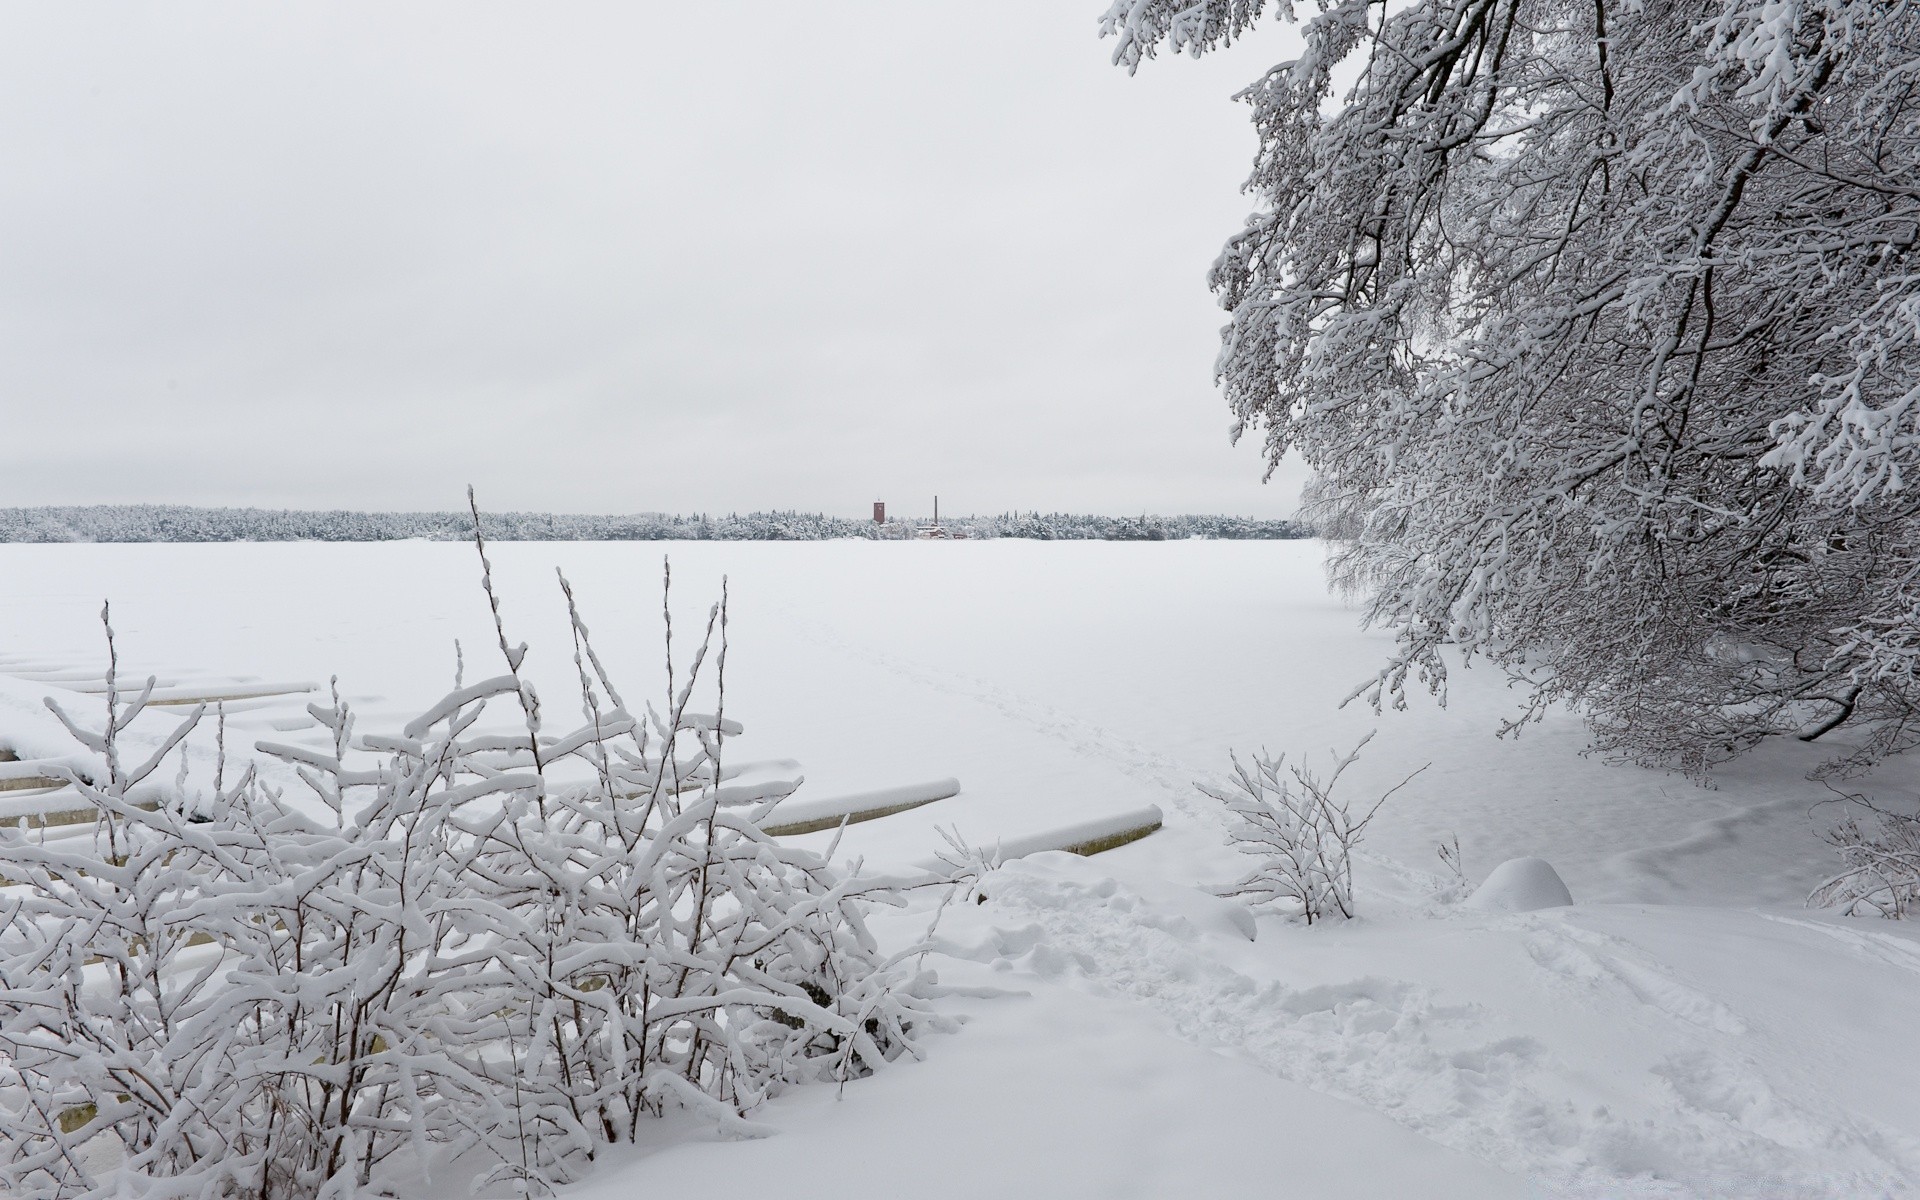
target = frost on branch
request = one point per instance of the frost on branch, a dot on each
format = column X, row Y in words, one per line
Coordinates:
column 468, row 954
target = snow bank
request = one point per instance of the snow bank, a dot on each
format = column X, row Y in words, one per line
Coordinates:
column 1521, row 885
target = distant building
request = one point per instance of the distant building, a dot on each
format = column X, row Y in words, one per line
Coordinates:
column 937, row 530
column 879, row 512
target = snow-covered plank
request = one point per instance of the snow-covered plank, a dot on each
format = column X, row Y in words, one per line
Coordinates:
column 62, row 676
column 32, row 774
column 50, row 807
column 1089, row 837
column 206, row 692
column 827, row 812
column 95, row 684
column 1096, row 835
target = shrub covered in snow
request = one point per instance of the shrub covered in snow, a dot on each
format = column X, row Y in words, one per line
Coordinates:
column 484, row 955
column 1882, row 866
column 1302, row 836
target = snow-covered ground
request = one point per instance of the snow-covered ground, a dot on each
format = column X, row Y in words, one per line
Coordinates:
column 1686, row 1028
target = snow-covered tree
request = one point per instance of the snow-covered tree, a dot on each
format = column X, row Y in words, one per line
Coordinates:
column 1599, row 322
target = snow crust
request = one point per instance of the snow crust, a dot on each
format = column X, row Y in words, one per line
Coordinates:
column 1689, row 1029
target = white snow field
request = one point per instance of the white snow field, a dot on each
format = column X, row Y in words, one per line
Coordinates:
column 1684, row 1028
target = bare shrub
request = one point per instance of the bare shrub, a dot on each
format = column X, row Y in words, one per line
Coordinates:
column 1288, row 819
column 1456, row 864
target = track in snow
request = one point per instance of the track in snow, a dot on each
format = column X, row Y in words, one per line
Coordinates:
column 1705, row 1124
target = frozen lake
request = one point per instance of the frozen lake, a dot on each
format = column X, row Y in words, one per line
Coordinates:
column 1055, row 680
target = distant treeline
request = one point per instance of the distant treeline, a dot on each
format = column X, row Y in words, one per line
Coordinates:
column 178, row 523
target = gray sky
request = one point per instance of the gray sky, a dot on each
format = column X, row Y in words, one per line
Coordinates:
column 615, row 257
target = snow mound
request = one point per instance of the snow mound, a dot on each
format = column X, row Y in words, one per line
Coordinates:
column 1521, row 885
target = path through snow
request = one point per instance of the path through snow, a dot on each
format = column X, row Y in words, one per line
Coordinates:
column 1555, row 1050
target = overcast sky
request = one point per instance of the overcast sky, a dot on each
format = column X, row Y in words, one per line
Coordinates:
column 616, row 257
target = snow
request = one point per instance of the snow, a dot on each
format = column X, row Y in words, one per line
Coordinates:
column 1521, row 885
column 1685, row 1028
column 1067, row 1096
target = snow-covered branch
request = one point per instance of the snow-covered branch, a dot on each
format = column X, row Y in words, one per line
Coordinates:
column 1599, row 322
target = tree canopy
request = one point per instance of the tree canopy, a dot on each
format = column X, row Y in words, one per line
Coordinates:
column 1598, row 321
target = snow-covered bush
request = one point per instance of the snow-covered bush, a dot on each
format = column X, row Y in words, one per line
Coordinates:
column 1288, row 819
column 473, row 954
column 1882, row 867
